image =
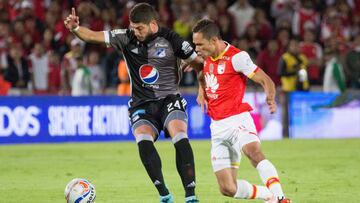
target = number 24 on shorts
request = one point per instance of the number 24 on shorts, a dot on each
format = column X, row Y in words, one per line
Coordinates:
column 176, row 105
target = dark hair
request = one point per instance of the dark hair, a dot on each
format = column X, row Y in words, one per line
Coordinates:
column 143, row 13
column 208, row 28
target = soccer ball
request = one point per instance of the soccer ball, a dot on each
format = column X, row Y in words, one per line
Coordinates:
column 79, row 190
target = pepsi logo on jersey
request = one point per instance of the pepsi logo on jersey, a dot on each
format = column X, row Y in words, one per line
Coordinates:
column 148, row 74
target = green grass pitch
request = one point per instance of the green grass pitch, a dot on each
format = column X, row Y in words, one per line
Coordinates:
column 310, row 171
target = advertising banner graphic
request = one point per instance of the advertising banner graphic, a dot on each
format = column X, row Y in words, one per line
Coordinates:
column 324, row 115
column 38, row 119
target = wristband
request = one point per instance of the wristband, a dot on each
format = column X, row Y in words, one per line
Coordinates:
column 75, row 29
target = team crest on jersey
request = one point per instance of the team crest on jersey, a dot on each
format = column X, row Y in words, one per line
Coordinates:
column 148, row 74
column 221, row 68
column 160, row 52
column 211, row 68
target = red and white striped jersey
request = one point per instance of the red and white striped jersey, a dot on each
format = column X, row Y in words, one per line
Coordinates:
column 226, row 78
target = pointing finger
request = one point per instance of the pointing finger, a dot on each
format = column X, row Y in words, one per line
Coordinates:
column 73, row 11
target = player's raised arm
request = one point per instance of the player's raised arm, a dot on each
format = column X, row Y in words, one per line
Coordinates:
column 243, row 63
column 269, row 87
column 72, row 23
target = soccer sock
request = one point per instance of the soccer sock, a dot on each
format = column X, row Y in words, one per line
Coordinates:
column 245, row 190
column 270, row 177
column 185, row 163
column 152, row 163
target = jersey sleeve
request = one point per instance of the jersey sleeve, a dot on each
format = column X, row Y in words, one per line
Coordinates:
column 242, row 63
column 182, row 48
column 117, row 38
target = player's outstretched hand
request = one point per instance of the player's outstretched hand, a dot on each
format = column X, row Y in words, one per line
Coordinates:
column 72, row 21
column 201, row 100
column 271, row 104
column 185, row 66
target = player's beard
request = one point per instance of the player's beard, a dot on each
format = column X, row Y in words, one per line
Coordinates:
column 147, row 36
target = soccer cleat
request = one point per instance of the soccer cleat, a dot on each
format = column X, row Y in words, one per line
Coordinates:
column 191, row 199
column 284, row 200
column 167, row 199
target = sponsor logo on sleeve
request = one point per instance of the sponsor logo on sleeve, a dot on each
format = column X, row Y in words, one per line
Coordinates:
column 117, row 31
column 186, row 47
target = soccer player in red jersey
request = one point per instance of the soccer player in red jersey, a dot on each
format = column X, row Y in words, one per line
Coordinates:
column 225, row 72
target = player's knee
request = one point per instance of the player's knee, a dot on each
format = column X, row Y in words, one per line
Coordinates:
column 176, row 126
column 256, row 157
column 228, row 190
column 144, row 129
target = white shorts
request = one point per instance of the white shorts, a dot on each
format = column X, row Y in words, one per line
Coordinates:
column 228, row 136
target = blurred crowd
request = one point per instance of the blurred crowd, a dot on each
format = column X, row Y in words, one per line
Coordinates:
column 299, row 44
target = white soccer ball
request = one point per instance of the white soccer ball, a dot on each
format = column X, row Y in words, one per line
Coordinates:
column 79, row 190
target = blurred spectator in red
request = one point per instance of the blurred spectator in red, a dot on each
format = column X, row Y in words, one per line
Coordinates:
column 54, row 73
column 225, row 21
column 125, row 21
column 97, row 75
column 211, row 12
column 39, row 69
column 69, row 64
column 17, row 71
column 268, row 60
column 28, row 44
column 4, row 41
column 353, row 63
column 48, row 40
column 18, row 32
column 166, row 18
column 313, row 52
column 242, row 44
column 355, row 27
column 4, row 85
column 283, row 36
column 283, row 11
column 254, row 44
column 226, row 29
column 243, row 12
column 90, row 15
column 198, row 11
column 59, row 28
column 332, row 26
column 263, row 26
column 39, row 9
column 108, row 19
column 32, row 29
column 344, row 10
column 305, row 18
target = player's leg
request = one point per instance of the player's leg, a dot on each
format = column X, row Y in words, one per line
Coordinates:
column 145, row 132
column 145, row 136
column 250, row 145
column 225, row 161
column 265, row 168
column 175, row 122
column 184, row 156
